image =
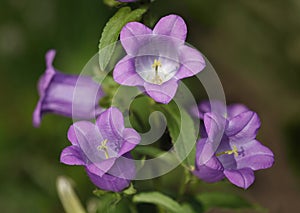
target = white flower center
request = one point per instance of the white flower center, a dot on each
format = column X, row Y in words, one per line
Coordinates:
column 156, row 70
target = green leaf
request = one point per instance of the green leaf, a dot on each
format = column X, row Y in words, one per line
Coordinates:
column 112, row 30
column 69, row 199
column 187, row 208
column 182, row 131
column 223, row 200
column 158, row 199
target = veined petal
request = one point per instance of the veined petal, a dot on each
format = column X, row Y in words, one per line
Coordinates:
column 236, row 109
column 125, row 73
column 214, row 106
column 242, row 178
column 254, row 155
column 72, row 135
column 191, row 60
column 131, row 139
column 243, row 127
column 215, row 126
column 171, row 25
column 204, row 151
column 163, row 93
column 108, row 182
column 117, row 178
column 100, row 168
column 210, row 172
column 72, row 155
column 208, row 167
column 111, row 124
column 133, row 35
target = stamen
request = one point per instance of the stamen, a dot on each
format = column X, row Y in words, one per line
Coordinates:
column 104, row 148
column 229, row 152
column 156, row 64
column 157, row 79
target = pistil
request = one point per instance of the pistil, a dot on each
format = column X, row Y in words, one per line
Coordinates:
column 229, row 152
column 103, row 147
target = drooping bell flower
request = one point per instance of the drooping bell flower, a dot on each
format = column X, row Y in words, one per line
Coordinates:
column 103, row 149
column 157, row 59
column 238, row 154
column 57, row 93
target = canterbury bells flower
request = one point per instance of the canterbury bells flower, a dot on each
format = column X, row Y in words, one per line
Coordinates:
column 103, row 149
column 238, row 154
column 157, row 59
column 57, row 90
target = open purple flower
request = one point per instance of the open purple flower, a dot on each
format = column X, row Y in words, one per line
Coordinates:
column 157, row 59
column 238, row 154
column 103, row 149
column 57, row 92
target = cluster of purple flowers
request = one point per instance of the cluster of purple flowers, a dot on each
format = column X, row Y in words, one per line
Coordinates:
column 238, row 153
column 103, row 148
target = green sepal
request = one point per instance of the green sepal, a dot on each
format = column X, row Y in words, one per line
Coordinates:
column 130, row 190
column 111, row 3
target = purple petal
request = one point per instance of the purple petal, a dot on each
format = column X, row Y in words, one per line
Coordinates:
column 242, row 178
column 133, row 35
column 214, row 125
column 37, row 115
column 236, row 109
column 212, row 171
column 111, row 124
column 43, row 85
column 243, row 127
column 72, row 155
column 124, row 167
column 215, row 106
column 205, row 150
column 192, row 62
column 171, row 25
column 50, row 55
column 163, row 93
column 50, row 72
column 254, row 155
column 208, row 167
column 102, row 167
column 118, row 176
column 108, row 182
column 131, row 139
column 72, row 135
column 125, row 73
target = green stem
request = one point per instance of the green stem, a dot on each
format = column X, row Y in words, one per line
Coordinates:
column 184, row 185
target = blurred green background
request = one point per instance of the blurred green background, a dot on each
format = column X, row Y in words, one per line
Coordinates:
column 254, row 46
